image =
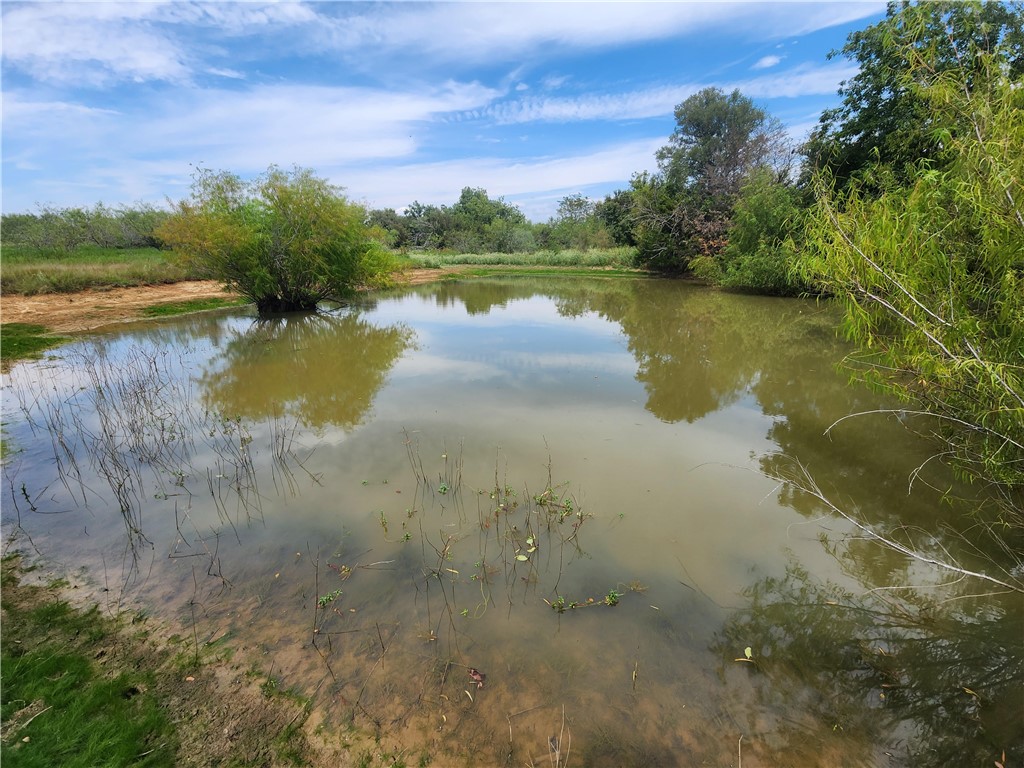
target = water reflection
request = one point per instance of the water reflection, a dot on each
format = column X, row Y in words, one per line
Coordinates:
column 447, row 532
column 878, row 674
column 323, row 369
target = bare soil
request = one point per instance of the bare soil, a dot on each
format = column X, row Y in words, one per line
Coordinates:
column 222, row 710
column 88, row 310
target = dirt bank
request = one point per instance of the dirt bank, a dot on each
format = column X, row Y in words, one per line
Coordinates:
column 89, row 310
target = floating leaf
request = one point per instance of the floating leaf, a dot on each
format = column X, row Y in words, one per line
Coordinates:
column 522, row 558
column 529, row 541
column 748, row 655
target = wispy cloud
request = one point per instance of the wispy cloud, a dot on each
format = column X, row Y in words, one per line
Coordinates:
column 103, row 43
column 487, row 31
column 99, row 44
column 91, row 44
column 655, row 102
column 248, row 128
column 394, row 100
column 520, row 180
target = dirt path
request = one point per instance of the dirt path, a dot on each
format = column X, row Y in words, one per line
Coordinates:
column 88, row 310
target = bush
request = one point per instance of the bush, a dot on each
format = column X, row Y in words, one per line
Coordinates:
column 764, row 241
column 286, row 240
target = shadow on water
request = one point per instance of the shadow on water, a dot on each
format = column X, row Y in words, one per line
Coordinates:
column 529, row 522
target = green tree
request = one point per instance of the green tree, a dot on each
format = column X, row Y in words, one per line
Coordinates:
column 763, row 240
column 718, row 140
column 482, row 224
column 616, row 212
column 393, row 225
column 685, row 210
column 931, row 274
column 577, row 226
column 286, row 240
column 429, row 225
column 883, row 118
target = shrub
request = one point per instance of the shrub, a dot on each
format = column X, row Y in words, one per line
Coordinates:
column 286, row 240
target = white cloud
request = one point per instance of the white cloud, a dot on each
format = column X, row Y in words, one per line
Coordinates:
column 803, row 80
column 89, row 44
column 99, row 43
column 247, row 130
column 102, row 43
column 765, row 62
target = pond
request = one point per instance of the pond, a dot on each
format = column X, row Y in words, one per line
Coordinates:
column 522, row 521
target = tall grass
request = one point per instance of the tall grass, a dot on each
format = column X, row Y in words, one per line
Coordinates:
column 621, row 258
column 31, row 271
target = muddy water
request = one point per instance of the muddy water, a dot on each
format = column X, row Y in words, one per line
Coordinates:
column 508, row 521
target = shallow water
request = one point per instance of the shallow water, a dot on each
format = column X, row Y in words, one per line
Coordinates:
column 564, row 484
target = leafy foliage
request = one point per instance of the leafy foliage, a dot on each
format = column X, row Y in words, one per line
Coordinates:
column 764, row 240
column 932, row 273
column 473, row 224
column 286, row 240
column 685, row 210
column 576, row 226
column 615, row 212
column 59, row 231
column 884, row 119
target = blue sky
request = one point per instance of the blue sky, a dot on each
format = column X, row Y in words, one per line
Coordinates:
column 396, row 102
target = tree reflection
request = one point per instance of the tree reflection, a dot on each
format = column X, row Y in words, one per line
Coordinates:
column 322, row 369
column 696, row 350
column 909, row 675
column 699, row 350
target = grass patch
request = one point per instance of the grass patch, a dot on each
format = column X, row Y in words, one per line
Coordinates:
column 622, row 258
column 549, row 272
column 191, row 305
column 31, row 271
column 58, row 705
column 21, row 341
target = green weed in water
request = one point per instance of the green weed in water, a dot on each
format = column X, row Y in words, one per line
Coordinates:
column 22, row 341
column 171, row 308
column 329, row 598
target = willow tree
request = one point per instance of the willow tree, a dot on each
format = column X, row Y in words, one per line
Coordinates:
column 931, row 271
column 285, row 240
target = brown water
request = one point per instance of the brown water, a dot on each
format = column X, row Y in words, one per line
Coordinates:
column 567, row 485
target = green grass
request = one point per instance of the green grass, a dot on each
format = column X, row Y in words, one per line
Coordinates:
column 597, row 258
column 19, row 341
column 30, row 271
column 550, row 272
column 191, row 305
column 58, row 705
